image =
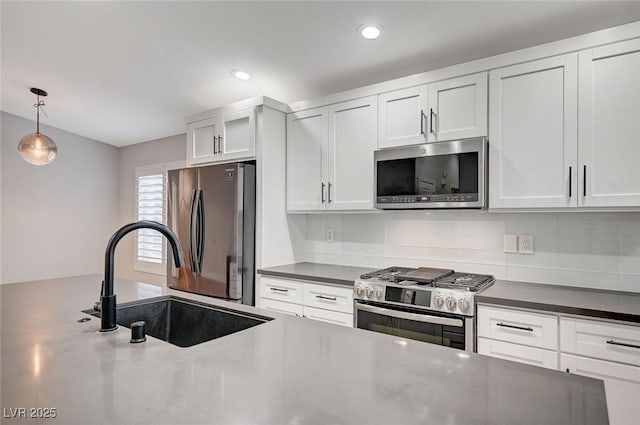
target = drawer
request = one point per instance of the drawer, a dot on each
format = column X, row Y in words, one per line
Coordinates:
column 602, row 340
column 517, row 326
column 329, row 297
column 281, row 307
column 281, row 289
column 518, row 353
column 329, row 316
column 621, row 385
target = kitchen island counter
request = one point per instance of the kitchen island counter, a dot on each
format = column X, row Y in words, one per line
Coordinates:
column 288, row 370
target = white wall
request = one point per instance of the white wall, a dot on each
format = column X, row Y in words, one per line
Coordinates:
column 56, row 219
column 169, row 149
column 597, row 250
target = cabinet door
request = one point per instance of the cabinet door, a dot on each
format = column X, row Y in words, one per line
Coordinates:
column 609, row 149
column 533, row 134
column 281, row 307
column 401, row 118
column 458, row 108
column 518, row 353
column 307, row 140
column 621, row 384
column 200, row 140
column 237, row 135
column 342, row 319
column 352, row 140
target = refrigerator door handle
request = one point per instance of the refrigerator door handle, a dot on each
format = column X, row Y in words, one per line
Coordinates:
column 193, row 231
column 200, row 230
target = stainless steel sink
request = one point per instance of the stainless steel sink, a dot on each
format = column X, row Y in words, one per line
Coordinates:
column 183, row 322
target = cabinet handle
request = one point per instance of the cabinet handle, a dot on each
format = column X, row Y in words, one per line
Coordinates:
column 329, row 194
column 322, row 191
column 584, row 181
column 219, row 144
column 431, row 115
column 422, row 117
column 622, row 344
column 215, row 139
column 322, row 297
column 570, row 176
column 504, row 325
column 278, row 289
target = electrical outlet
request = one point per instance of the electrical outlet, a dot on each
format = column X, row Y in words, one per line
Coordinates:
column 330, row 234
column 525, row 244
column 511, row 243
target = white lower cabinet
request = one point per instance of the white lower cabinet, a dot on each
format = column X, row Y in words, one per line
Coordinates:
column 326, row 303
column 518, row 353
column 600, row 349
column 328, row 316
column 621, row 383
column 282, row 307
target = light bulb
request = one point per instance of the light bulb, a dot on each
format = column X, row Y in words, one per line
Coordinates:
column 37, row 149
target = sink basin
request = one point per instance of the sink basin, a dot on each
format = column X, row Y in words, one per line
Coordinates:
column 183, row 322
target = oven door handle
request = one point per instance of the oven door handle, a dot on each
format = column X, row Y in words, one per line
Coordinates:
column 425, row 318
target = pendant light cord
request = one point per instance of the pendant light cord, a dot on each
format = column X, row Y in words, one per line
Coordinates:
column 38, row 105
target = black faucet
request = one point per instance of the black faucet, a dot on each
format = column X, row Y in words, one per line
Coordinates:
column 108, row 298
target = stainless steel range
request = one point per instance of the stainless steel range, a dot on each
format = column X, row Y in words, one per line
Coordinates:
column 425, row 304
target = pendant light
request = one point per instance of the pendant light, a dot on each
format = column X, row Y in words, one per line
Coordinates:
column 37, row 148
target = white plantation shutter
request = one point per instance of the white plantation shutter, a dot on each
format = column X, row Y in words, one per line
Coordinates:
column 151, row 199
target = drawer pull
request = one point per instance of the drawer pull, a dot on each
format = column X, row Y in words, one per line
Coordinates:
column 522, row 328
column 278, row 289
column 623, row 344
column 322, row 297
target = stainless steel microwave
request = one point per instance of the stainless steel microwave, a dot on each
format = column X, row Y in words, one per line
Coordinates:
column 434, row 175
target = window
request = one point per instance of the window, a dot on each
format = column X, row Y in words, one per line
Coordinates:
column 151, row 201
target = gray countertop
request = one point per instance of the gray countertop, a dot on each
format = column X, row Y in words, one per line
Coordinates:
column 323, row 273
column 287, row 371
column 564, row 299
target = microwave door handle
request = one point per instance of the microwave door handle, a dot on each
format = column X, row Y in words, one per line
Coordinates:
column 424, row 318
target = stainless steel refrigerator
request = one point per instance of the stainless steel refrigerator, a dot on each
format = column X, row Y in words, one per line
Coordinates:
column 212, row 211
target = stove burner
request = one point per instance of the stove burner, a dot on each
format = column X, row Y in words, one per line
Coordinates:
column 456, row 280
column 464, row 281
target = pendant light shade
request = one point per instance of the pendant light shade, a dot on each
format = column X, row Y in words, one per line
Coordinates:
column 37, row 148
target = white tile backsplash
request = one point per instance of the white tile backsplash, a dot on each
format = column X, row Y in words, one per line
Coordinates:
column 597, row 250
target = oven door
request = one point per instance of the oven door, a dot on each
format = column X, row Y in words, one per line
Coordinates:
column 405, row 322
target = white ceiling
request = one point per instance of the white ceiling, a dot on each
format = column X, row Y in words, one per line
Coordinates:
column 128, row 72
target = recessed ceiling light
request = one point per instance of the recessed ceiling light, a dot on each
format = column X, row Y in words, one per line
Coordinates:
column 241, row 75
column 370, row 32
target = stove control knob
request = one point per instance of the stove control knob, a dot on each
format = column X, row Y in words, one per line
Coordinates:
column 451, row 303
column 378, row 292
column 359, row 291
column 438, row 300
column 464, row 305
column 369, row 292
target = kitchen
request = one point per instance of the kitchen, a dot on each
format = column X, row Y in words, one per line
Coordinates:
column 534, row 199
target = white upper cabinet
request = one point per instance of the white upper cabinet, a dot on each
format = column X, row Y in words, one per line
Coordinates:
column 237, row 135
column 352, row 140
column 330, row 157
column 609, row 125
column 220, row 139
column 533, row 134
column 307, row 144
column 401, row 119
column 457, row 108
column 200, row 140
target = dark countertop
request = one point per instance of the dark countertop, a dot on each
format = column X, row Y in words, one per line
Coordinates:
column 564, row 299
column 316, row 272
column 290, row 370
